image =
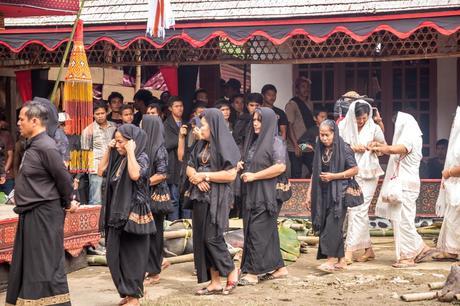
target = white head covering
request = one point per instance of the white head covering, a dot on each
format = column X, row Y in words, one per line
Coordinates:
column 405, row 127
column 368, row 163
column 452, row 160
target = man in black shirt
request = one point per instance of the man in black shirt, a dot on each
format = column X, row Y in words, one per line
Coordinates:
column 142, row 99
column 43, row 191
column 269, row 93
column 115, row 102
column 435, row 165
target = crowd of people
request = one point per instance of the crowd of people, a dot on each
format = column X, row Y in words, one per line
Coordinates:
column 150, row 162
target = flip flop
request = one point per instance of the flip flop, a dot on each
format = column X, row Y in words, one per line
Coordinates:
column 338, row 267
column 442, row 257
column 420, row 257
column 229, row 287
column 150, row 281
column 365, row 258
column 206, row 291
column 245, row 282
column 401, row 265
column 271, row 276
column 326, row 268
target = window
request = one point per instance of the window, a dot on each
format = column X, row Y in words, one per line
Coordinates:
column 322, row 84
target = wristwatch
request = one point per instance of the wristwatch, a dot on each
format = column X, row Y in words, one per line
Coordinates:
column 206, row 177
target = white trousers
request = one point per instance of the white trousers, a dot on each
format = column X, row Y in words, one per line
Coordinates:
column 408, row 242
column 449, row 237
column 358, row 236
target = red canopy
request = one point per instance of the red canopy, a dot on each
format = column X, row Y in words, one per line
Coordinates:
column 20, row 8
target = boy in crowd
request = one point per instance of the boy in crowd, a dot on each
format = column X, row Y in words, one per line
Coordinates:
column 225, row 109
column 269, row 93
column 142, row 99
column 172, row 126
column 243, row 124
column 308, row 140
column 115, row 103
column 127, row 114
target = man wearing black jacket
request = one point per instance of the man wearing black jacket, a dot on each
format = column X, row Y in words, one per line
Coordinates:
column 172, row 126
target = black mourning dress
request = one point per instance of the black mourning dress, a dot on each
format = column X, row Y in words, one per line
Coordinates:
column 209, row 247
column 331, row 241
column 261, row 253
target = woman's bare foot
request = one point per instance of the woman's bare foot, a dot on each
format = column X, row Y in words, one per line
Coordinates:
column 165, row 264
column 368, row 255
column 123, row 301
column 132, row 301
column 281, row 272
column 152, row 279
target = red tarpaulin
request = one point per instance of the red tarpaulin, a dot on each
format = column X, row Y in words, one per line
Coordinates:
column 21, row 8
column 24, row 84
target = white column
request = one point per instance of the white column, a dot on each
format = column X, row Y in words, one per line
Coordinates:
column 446, row 95
column 279, row 75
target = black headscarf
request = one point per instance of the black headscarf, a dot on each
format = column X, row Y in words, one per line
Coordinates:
column 262, row 192
column 337, row 164
column 154, row 128
column 118, row 209
column 53, row 117
column 224, row 156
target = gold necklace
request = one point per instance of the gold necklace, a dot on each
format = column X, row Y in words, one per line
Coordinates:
column 205, row 155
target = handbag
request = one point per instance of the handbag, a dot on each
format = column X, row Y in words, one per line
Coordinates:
column 161, row 203
column 392, row 193
column 140, row 219
column 283, row 189
column 452, row 194
column 353, row 195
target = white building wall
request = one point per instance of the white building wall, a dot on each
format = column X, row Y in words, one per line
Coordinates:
column 279, row 75
column 446, row 95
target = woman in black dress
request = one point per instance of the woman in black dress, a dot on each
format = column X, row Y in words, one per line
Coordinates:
column 211, row 169
column 333, row 165
column 264, row 161
column 126, row 216
column 161, row 204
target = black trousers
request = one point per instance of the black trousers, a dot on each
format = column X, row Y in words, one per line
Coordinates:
column 127, row 257
column 37, row 270
column 156, row 247
column 261, row 251
column 209, row 247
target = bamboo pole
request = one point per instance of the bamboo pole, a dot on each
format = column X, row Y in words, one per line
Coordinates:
column 436, row 285
column 189, row 257
column 138, row 77
column 66, row 52
column 96, row 260
column 310, row 240
column 177, row 234
column 421, row 296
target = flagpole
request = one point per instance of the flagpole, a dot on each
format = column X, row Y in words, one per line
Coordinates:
column 66, row 52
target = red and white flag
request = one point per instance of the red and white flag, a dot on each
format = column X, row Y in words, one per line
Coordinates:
column 161, row 17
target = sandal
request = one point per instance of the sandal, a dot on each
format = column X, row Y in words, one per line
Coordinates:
column 229, row 287
column 339, row 267
column 245, row 282
column 423, row 255
column 206, row 291
column 445, row 257
column 365, row 258
column 151, row 281
column 349, row 261
column 326, row 268
column 271, row 276
column 403, row 265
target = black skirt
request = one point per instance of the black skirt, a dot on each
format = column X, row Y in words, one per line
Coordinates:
column 156, row 247
column 127, row 257
column 209, row 247
column 331, row 241
column 37, row 270
column 261, row 251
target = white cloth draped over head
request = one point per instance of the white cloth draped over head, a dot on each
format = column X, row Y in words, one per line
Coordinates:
column 452, row 160
column 406, row 127
column 368, row 162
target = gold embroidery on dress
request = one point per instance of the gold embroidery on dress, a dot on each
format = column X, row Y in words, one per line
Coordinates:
column 160, row 197
column 283, row 187
column 144, row 219
column 50, row 300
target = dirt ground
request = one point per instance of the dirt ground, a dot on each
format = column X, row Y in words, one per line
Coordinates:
column 373, row 283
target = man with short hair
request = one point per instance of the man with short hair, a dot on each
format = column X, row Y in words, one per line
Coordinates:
column 142, row 99
column 243, row 124
column 42, row 193
column 95, row 139
column 172, row 126
column 127, row 114
column 115, row 103
column 299, row 111
column 308, row 140
column 435, row 165
column 225, row 109
column 269, row 93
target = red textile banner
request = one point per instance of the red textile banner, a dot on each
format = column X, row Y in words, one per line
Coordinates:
column 170, row 75
column 24, row 84
column 21, row 8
